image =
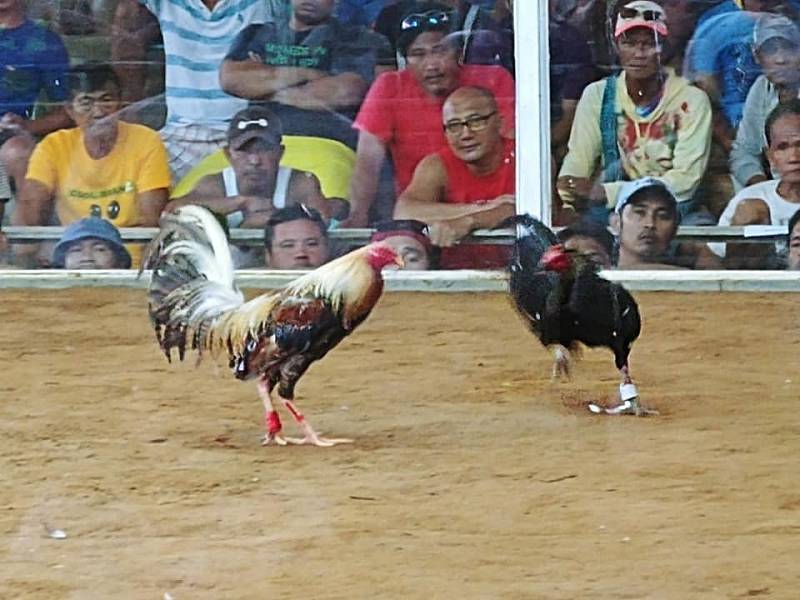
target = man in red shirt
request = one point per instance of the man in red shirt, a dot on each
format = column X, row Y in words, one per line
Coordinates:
column 402, row 110
column 467, row 185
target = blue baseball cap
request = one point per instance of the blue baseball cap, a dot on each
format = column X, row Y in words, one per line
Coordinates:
column 93, row 228
column 631, row 188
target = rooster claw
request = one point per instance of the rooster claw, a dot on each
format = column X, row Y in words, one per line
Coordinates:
column 275, row 438
column 628, row 407
column 315, row 440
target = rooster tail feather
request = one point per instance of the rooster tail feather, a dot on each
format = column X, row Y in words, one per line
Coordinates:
column 192, row 283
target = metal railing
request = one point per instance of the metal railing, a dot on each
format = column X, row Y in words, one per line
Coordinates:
column 749, row 233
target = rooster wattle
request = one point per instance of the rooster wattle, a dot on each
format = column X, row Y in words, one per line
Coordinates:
column 272, row 338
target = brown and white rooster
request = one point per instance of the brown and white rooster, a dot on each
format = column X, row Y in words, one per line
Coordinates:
column 273, row 338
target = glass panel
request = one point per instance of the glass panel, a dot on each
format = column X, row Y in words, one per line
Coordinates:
column 679, row 91
column 358, row 100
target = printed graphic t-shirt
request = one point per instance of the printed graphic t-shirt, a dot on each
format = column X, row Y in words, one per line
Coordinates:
column 106, row 187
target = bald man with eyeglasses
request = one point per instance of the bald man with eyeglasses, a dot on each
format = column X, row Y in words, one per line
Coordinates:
column 468, row 185
column 401, row 115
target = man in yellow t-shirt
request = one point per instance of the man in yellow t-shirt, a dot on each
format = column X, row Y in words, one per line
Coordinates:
column 102, row 168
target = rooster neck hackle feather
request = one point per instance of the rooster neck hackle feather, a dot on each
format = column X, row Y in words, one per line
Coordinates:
column 193, row 295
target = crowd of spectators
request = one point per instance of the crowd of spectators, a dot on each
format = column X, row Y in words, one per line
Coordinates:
column 669, row 113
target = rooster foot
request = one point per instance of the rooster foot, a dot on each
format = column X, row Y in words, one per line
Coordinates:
column 315, row 440
column 562, row 367
column 273, row 438
column 628, row 407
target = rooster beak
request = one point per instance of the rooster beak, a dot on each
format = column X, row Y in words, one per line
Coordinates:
column 398, row 260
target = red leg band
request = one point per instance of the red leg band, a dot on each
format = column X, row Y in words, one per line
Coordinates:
column 273, row 422
column 298, row 416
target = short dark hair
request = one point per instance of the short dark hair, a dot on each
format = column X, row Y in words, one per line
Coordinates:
column 406, row 37
column 296, row 212
column 589, row 229
column 792, row 223
column 789, row 108
column 90, row 77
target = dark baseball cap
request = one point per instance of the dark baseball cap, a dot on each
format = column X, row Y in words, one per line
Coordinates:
column 255, row 123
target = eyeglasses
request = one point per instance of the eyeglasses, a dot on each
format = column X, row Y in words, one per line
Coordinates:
column 245, row 124
column 476, row 123
column 432, row 18
column 84, row 103
column 646, row 15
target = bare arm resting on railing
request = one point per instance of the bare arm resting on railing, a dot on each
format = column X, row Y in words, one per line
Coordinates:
column 424, row 200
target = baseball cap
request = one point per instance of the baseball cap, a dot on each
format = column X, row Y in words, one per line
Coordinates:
column 255, row 123
column 631, row 188
column 93, row 228
column 770, row 26
column 641, row 13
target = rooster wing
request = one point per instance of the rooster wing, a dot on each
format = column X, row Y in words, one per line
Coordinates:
column 603, row 313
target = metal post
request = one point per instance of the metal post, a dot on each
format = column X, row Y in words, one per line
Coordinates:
column 533, row 108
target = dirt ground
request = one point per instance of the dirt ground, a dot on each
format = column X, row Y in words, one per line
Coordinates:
column 472, row 475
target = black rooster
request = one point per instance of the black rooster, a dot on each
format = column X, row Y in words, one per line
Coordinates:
column 564, row 301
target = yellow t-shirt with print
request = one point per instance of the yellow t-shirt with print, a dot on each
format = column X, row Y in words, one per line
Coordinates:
column 104, row 187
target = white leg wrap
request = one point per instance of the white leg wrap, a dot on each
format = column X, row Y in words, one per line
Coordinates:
column 628, row 391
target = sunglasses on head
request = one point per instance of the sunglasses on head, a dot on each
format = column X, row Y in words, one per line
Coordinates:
column 245, row 124
column 646, row 15
column 432, row 18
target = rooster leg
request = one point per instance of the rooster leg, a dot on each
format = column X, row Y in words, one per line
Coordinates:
column 630, row 399
column 273, row 421
column 311, row 436
column 562, row 364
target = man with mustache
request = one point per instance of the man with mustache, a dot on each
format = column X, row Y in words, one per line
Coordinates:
column 771, row 202
column 468, row 185
column 401, row 114
column 645, row 122
column 255, row 185
column 776, row 44
column 103, row 167
column 646, row 219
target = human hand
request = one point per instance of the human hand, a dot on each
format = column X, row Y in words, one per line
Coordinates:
column 448, row 233
column 355, row 220
column 504, row 199
column 251, row 205
column 12, row 121
column 582, row 187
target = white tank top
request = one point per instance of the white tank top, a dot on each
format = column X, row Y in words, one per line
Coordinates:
column 278, row 198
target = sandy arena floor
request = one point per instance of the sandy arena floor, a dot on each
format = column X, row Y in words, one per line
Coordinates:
column 472, row 475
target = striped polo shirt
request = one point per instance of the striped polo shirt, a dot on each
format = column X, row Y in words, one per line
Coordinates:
column 196, row 40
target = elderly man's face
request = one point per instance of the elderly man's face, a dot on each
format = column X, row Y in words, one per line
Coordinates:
column 780, row 60
column 472, row 126
column 647, row 226
column 90, row 254
column 96, row 112
column 784, row 148
column 297, row 244
column 433, row 62
column 794, row 248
